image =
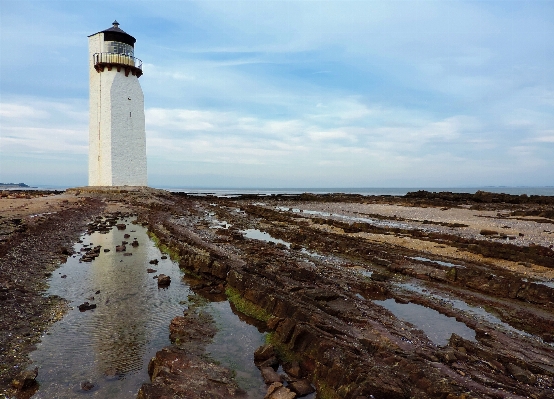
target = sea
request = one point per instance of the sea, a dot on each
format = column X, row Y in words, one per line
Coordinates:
column 396, row 191
column 393, row 191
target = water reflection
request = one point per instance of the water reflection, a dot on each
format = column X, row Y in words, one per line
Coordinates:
column 111, row 345
column 437, row 326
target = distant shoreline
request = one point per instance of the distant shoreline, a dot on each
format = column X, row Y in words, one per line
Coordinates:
column 393, row 191
column 15, row 185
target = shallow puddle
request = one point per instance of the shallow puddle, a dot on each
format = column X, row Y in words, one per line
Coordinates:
column 256, row 234
column 373, row 222
column 234, row 345
column 435, row 325
column 438, row 262
column 111, row 345
column 549, row 284
column 458, row 304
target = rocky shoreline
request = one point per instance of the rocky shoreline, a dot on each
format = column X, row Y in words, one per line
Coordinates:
column 317, row 277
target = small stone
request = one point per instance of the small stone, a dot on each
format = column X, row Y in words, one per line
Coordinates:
column 151, row 270
column 106, row 250
column 164, row 257
column 154, row 262
column 87, row 385
column 86, row 306
column 26, row 379
column 126, row 235
column 127, row 254
column 164, row 280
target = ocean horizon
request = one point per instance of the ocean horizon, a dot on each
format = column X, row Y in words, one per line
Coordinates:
column 393, row 191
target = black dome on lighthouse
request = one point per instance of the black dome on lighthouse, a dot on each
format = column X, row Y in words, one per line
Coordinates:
column 116, row 34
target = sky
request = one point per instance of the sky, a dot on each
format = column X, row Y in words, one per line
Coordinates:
column 292, row 93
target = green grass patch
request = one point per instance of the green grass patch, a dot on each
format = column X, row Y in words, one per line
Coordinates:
column 245, row 306
column 324, row 391
column 172, row 252
column 284, row 353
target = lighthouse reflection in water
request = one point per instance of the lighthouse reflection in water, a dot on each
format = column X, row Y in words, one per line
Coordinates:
column 108, row 347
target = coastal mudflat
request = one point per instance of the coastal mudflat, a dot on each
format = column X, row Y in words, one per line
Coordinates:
column 425, row 295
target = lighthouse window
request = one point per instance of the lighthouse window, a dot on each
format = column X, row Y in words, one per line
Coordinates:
column 119, row 48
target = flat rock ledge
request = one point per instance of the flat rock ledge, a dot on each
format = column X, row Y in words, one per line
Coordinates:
column 181, row 370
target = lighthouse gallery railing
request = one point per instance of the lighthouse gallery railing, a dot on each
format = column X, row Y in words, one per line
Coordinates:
column 114, row 58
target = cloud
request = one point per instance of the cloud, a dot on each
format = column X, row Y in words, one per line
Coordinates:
column 19, row 111
column 28, row 126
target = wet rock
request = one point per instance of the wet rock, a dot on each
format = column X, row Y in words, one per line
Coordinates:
column 178, row 374
column 86, row 306
column 106, row 250
column 293, row 369
column 64, row 276
column 26, row 379
column 263, row 353
column 271, row 362
column 448, row 355
column 127, row 254
column 120, row 248
column 154, row 262
column 151, row 270
column 521, row 375
column 135, row 243
column 164, row 257
column 121, row 226
column 301, row 387
column 87, row 385
column 269, row 375
column 164, row 280
column 278, row 391
column 191, row 327
column 126, row 235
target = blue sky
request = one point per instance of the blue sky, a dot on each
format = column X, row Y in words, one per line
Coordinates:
column 292, row 93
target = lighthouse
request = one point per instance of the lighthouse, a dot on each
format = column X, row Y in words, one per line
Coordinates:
column 117, row 137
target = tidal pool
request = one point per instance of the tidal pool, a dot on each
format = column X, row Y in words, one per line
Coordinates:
column 435, row 325
column 111, row 345
column 262, row 236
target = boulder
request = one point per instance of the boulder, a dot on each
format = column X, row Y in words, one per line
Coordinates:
column 264, row 352
column 301, row 387
column 278, row 391
column 269, row 375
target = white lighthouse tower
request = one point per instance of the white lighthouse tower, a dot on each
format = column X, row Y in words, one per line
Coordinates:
column 117, row 137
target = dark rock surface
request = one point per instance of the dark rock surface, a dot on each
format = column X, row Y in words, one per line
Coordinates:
column 181, row 370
